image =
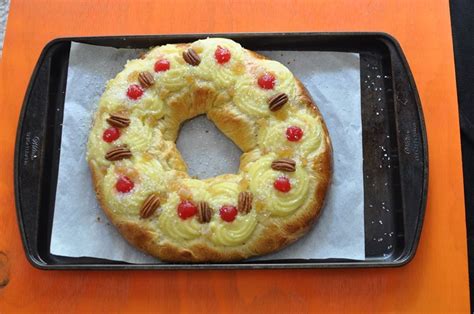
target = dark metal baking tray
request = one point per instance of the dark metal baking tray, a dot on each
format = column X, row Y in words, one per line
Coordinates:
column 394, row 148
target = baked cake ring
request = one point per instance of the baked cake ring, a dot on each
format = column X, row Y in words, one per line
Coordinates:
column 140, row 177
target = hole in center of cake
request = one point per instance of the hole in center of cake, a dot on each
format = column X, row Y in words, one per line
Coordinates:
column 206, row 150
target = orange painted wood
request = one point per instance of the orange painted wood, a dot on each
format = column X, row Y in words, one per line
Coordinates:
column 435, row 281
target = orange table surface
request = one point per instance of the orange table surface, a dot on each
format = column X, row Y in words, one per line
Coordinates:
column 435, row 281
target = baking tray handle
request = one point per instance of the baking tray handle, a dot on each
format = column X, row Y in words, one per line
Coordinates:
column 34, row 137
column 412, row 151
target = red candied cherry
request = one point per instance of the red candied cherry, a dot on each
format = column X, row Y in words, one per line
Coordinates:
column 134, row 91
column 228, row 213
column 222, row 55
column 111, row 134
column 162, row 65
column 187, row 209
column 124, row 184
column 266, row 81
column 294, row 133
column 282, row 184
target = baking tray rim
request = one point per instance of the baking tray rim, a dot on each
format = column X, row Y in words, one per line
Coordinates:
column 326, row 263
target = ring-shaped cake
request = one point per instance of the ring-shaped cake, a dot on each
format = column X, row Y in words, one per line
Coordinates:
column 141, row 180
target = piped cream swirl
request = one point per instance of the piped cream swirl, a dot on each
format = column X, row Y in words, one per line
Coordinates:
column 262, row 177
column 251, row 98
column 175, row 227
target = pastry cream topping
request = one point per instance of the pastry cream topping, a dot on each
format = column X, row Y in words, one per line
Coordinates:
column 223, row 193
column 137, row 136
column 151, row 171
column 168, row 50
column 252, row 99
column 285, row 81
column 172, row 225
column 236, row 232
column 173, row 80
column 97, row 147
column 272, row 138
column 149, row 107
column 221, row 75
column 126, row 203
column 197, row 188
column 262, row 177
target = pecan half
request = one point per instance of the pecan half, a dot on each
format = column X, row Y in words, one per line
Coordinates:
column 150, row 205
column 191, row 57
column 118, row 153
column 204, row 212
column 244, row 203
column 284, row 164
column 118, row 120
column 146, row 79
column 277, row 101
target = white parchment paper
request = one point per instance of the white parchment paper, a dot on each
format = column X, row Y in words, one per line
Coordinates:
column 81, row 229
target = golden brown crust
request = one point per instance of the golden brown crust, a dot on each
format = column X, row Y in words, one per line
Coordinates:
column 270, row 235
column 235, row 127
